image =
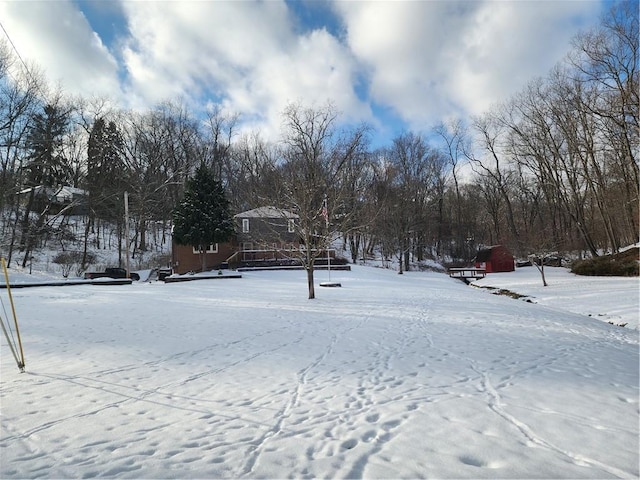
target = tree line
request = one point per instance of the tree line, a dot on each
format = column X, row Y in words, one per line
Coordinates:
column 554, row 168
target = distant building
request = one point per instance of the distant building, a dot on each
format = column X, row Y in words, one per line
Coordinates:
column 495, row 259
column 70, row 200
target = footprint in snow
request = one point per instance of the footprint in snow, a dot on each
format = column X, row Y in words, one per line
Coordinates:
column 349, row 444
column 373, row 418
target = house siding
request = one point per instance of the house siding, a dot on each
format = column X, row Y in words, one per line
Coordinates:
column 265, row 232
column 183, row 260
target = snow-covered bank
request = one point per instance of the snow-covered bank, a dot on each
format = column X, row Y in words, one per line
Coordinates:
column 610, row 299
column 404, row 376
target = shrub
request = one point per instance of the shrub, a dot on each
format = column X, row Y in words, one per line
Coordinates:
column 69, row 260
column 624, row 264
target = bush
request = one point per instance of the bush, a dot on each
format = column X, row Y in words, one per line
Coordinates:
column 69, row 260
column 151, row 261
column 624, row 264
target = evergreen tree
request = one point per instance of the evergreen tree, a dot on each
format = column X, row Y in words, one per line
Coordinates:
column 106, row 171
column 46, row 166
column 202, row 218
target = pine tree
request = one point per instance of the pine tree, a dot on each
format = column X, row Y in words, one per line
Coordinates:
column 202, row 218
column 46, row 163
column 106, row 172
column 46, row 166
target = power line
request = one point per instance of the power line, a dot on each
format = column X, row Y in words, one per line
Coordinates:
column 15, row 49
column 35, row 82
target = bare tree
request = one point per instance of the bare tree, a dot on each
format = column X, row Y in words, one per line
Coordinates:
column 491, row 162
column 20, row 90
column 311, row 183
column 455, row 138
column 605, row 64
column 250, row 174
column 219, row 130
column 161, row 147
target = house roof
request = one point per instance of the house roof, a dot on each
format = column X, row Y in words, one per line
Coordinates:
column 266, row 212
column 61, row 194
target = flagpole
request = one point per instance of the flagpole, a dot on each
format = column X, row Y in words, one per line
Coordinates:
column 126, row 231
column 329, row 262
column 326, row 219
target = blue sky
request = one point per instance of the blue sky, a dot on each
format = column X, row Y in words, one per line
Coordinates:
column 397, row 65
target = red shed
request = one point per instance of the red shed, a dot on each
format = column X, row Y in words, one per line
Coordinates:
column 495, row 259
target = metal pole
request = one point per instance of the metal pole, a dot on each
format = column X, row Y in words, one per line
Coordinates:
column 326, row 218
column 15, row 318
column 126, row 231
column 8, row 337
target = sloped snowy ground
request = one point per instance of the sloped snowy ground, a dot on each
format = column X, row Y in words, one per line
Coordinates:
column 403, row 376
column 610, row 299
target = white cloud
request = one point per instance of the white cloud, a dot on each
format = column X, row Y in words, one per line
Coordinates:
column 246, row 53
column 425, row 60
column 58, row 39
column 429, row 60
column 510, row 43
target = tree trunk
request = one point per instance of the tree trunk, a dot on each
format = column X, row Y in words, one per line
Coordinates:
column 87, row 227
column 354, row 245
column 540, row 268
column 312, row 292
column 142, row 230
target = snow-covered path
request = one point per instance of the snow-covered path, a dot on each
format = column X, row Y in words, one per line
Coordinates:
column 408, row 376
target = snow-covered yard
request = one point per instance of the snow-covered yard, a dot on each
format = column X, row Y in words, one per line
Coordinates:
column 610, row 299
column 403, row 376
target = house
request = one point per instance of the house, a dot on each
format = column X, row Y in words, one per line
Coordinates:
column 71, row 200
column 264, row 235
column 495, row 259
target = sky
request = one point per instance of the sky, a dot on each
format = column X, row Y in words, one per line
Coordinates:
column 390, row 376
column 396, row 65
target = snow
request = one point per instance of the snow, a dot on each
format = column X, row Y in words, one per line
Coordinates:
column 610, row 299
column 403, row 376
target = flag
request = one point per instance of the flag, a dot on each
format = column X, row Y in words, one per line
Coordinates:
column 324, row 212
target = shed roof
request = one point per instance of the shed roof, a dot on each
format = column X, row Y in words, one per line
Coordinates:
column 484, row 254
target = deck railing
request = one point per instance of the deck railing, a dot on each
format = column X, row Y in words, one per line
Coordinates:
column 467, row 273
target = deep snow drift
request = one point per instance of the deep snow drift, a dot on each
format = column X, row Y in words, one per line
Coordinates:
column 403, row 376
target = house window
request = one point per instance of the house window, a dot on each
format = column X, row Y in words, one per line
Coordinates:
column 213, row 248
column 245, row 225
column 292, row 225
